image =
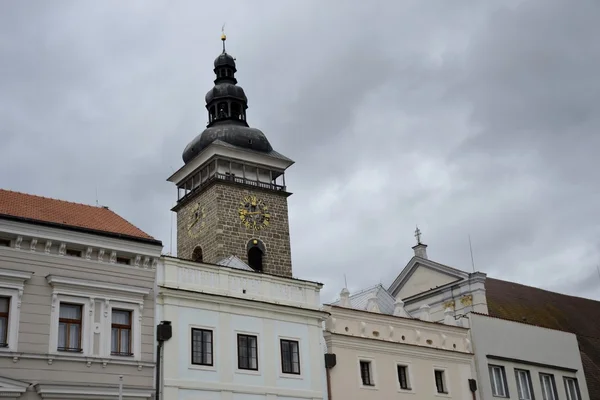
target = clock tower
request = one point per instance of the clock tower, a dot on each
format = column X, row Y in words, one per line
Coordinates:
column 232, row 197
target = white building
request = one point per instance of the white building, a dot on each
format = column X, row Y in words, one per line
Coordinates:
column 521, row 361
column 376, row 350
column 242, row 327
column 238, row 334
column 510, row 331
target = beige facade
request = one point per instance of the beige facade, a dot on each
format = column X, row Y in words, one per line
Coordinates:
column 68, row 293
column 382, row 353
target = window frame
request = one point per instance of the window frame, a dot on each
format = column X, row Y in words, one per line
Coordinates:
column 529, row 383
column 290, row 341
column 247, row 336
column 445, row 388
column 69, row 322
column 120, row 327
column 212, row 346
column 371, row 370
column 12, row 284
column 407, row 377
column 553, row 386
column 6, row 315
column 576, row 383
column 494, row 384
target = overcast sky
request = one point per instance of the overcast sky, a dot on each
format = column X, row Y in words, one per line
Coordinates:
column 464, row 117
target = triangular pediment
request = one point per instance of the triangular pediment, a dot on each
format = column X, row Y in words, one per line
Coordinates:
column 13, row 386
column 422, row 275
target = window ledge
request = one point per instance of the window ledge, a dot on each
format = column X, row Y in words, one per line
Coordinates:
column 66, row 356
column 284, row 375
column 247, row 371
column 201, row 367
column 369, row 387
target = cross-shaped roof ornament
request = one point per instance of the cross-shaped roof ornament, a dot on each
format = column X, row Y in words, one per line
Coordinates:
column 418, row 235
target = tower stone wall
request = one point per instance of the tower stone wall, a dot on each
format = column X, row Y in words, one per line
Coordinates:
column 223, row 233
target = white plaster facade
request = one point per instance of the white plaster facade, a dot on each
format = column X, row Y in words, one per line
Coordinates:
column 227, row 302
column 425, row 285
column 404, row 357
column 513, row 357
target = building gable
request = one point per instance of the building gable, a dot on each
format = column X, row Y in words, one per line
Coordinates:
column 421, row 275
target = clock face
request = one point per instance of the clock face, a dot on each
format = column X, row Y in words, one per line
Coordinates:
column 197, row 220
column 254, row 213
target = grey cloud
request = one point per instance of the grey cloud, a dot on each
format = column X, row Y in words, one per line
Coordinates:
column 466, row 118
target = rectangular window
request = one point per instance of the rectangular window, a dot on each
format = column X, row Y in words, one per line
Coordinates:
column 290, row 357
column 4, row 311
column 524, row 387
column 366, row 374
column 548, row 387
column 403, row 377
column 498, row 381
column 572, row 389
column 121, row 333
column 202, row 347
column 123, row 260
column 69, row 327
column 73, row 253
column 440, row 381
column 247, row 352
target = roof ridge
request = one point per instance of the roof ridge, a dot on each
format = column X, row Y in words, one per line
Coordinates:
column 546, row 290
column 55, row 199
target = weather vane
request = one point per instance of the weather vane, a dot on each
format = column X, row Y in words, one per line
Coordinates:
column 418, row 235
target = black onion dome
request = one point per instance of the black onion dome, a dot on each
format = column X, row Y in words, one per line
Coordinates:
column 236, row 135
column 224, row 60
column 225, row 90
column 226, row 104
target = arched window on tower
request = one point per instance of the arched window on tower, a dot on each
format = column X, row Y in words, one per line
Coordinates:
column 236, row 110
column 197, row 255
column 223, row 110
column 256, row 252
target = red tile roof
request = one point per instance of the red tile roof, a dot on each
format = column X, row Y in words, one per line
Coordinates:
column 556, row 311
column 68, row 214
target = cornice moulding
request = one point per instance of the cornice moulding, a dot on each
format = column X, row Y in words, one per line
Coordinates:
column 69, row 284
column 43, row 233
column 166, row 294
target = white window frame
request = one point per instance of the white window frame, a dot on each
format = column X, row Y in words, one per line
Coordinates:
column 259, row 350
column 372, row 372
column 88, row 293
column 518, row 378
column 136, row 329
column 575, row 382
column 215, row 347
column 495, row 385
column 446, row 381
column 300, row 358
column 553, row 388
column 409, row 377
column 12, row 283
column 86, row 331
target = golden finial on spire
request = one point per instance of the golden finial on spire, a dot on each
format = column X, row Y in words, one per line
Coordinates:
column 223, row 36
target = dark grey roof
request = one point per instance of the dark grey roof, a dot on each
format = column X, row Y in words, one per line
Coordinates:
column 237, row 135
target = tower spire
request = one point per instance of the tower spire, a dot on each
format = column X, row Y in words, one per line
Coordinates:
column 223, row 37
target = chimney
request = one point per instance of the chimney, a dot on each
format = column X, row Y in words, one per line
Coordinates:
column 345, row 298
